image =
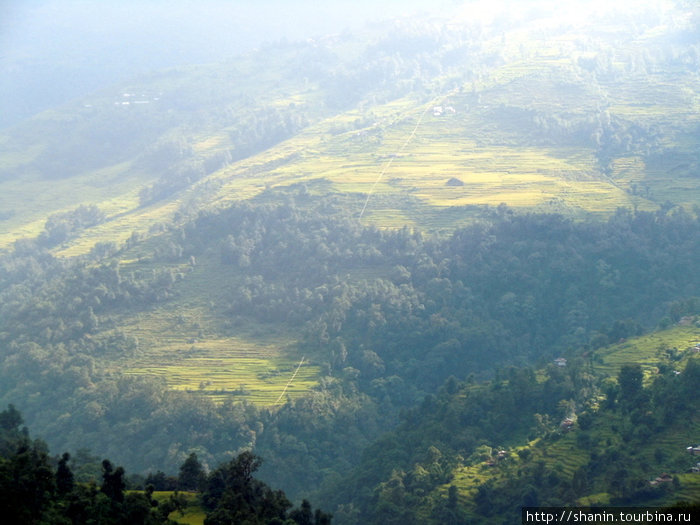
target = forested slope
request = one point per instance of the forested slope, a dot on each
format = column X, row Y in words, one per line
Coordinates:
column 565, row 434
column 387, row 316
column 371, row 246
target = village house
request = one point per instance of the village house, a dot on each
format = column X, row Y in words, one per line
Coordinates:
column 440, row 110
column 693, row 449
column 566, row 424
column 663, row 478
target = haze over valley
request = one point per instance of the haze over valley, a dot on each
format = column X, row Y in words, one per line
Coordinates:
column 410, row 262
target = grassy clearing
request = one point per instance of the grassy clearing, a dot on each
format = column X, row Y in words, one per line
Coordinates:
column 193, row 514
column 211, row 143
column 113, row 189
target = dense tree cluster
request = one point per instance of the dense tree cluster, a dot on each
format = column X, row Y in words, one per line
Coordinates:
column 61, row 226
column 468, row 423
column 514, row 288
column 36, row 489
column 389, row 314
column 232, row 495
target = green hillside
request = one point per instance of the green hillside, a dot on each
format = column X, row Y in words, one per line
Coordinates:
column 550, row 125
column 608, row 453
column 536, row 120
column 359, row 256
column 662, row 450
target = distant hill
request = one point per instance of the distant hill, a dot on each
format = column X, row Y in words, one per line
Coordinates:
column 534, row 115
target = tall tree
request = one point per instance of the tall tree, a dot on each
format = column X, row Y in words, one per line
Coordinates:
column 630, row 381
column 64, row 476
column 113, row 484
column 192, row 475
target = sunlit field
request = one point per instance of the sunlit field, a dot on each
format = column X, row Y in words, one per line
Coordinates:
column 432, row 268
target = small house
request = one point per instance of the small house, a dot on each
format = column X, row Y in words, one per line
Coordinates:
column 566, row 424
column 560, row 361
column 663, row 478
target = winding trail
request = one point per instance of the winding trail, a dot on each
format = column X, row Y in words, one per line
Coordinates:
column 403, row 147
column 391, row 160
column 290, row 380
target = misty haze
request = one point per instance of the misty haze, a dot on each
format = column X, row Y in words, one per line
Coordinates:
column 288, row 262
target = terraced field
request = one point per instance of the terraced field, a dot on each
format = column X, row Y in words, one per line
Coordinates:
column 261, row 373
column 519, row 133
column 198, row 349
column 412, row 158
column 649, row 350
column 180, row 347
column 564, row 456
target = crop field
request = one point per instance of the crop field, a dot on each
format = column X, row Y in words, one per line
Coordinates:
column 564, row 457
column 415, row 155
column 262, row 373
column 689, row 487
column 111, row 188
column 478, row 136
column 178, row 346
column 648, row 350
column 196, row 348
column 467, row 480
column 677, row 179
column 120, row 227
